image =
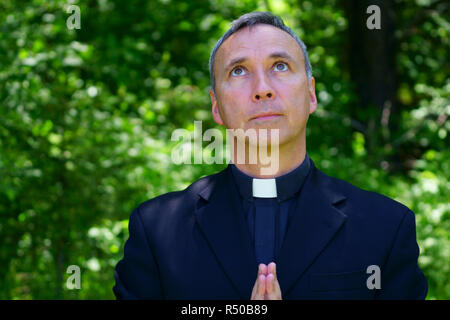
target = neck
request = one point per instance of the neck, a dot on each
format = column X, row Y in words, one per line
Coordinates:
column 289, row 156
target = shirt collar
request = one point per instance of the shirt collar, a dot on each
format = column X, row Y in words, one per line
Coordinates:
column 287, row 185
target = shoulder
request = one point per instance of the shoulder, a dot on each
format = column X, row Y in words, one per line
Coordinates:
column 364, row 203
column 176, row 203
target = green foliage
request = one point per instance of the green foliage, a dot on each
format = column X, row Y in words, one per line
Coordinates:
column 86, row 118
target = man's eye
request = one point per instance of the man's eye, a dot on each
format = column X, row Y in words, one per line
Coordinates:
column 238, row 71
column 281, row 66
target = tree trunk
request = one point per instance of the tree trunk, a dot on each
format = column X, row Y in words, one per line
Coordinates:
column 371, row 58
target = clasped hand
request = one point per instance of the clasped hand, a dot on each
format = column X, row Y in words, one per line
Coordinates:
column 266, row 286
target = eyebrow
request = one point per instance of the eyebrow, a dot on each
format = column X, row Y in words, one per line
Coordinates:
column 273, row 55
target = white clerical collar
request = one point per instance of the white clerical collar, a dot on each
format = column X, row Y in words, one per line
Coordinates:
column 264, row 188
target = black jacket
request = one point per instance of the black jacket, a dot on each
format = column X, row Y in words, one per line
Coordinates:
column 194, row 244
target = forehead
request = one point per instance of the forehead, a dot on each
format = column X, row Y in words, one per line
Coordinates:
column 260, row 39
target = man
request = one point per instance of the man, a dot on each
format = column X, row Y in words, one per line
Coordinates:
column 290, row 233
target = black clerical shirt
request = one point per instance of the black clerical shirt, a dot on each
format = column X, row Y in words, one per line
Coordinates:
column 288, row 188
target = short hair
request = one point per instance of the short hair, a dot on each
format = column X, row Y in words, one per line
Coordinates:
column 251, row 19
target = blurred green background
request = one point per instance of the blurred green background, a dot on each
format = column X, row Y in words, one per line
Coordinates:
column 86, row 118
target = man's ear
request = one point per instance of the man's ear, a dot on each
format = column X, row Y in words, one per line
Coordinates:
column 215, row 108
column 312, row 95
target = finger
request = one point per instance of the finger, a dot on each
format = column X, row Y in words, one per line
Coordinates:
column 262, row 269
column 261, row 286
column 272, row 268
column 254, row 290
column 276, row 295
column 270, row 284
column 255, row 286
column 273, row 287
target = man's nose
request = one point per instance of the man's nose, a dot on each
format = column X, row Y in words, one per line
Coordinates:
column 262, row 89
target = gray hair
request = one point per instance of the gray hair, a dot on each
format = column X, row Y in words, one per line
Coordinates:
column 251, row 19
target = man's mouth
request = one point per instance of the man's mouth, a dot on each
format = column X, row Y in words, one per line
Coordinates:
column 267, row 116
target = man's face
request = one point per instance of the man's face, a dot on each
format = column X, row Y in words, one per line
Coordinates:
column 268, row 76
